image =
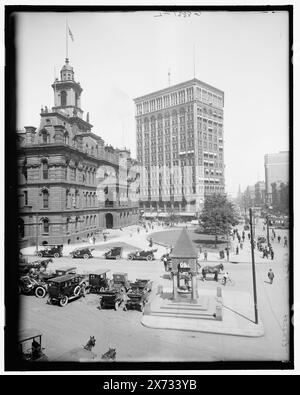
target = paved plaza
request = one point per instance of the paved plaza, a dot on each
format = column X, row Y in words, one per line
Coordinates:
column 70, row 327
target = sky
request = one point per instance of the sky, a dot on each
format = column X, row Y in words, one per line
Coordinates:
column 120, row 56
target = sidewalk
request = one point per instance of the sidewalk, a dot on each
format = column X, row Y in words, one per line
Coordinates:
column 163, row 313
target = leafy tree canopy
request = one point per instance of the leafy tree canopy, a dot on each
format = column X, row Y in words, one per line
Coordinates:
column 218, row 214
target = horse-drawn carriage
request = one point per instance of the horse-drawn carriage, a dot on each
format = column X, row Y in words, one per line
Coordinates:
column 214, row 270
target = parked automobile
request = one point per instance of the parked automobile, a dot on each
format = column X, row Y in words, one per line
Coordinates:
column 84, row 252
column 98, row 281
column 57, row 273
column 138, row 295
column 64, row 288
column 142, row 255
column 114, row 253
column 112, row 298
column 32, row 337
column 51, row 250
column 29, row 285
column 35, row 266
column 120, row 280
column 115, row 295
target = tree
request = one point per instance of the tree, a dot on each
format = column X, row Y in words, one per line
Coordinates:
column 218, row 215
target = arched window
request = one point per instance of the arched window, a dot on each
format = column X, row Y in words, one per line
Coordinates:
column 45, row 224
column 63, row 99
column 76, row 223
column 45, row 170
column 45, row 137
column 45, row 195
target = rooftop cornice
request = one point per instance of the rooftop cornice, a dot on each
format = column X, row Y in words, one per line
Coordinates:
column 181, row 85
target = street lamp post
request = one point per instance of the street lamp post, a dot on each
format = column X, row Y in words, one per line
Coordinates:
column 253, row 269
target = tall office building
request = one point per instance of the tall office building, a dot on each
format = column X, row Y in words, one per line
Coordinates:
column 180, row 144
column 276, row 170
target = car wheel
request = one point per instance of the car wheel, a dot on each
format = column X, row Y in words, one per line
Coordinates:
column 149, row 257
column 77, row 290
column 40, row 254
column 56, row 255
column 101, row 289
column 116, row 306
column 40, row 292
column 63, row 301
column 118, row 256
column 86, row 256
column 125, row 307
column 130, row 257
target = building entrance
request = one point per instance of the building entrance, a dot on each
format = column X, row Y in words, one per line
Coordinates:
column 109, row 220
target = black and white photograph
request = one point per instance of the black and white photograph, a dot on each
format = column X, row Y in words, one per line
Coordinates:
column 153, row 184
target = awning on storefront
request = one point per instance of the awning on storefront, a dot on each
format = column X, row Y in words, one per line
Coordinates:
column 150, row 215
column 186, row 214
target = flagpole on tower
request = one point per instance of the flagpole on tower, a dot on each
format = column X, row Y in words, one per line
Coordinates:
column 66, row 38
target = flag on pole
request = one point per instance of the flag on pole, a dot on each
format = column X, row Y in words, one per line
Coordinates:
column 71, row 34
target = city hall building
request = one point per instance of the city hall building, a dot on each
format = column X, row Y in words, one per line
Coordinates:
column 70, row 184
column 180, row 143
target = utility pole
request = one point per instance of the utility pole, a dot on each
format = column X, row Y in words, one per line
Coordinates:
column 36, row 233
column 253, row 269
column 268, row 234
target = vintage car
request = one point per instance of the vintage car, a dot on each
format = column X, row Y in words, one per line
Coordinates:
column 113, row 253
column 51, row 250
column 120, row 280
column 98, row 281
column 84, row 252
column 64, row 288
column 30, row 345
column 57, row 273
column 115, row 295
column 29, row 285
column 138, row 294
column 112, row 298
column 33, row 267
column 142, row 255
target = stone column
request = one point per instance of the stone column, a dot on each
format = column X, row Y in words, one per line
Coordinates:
column 30, row 133
column 194, row 288
column 175, row 289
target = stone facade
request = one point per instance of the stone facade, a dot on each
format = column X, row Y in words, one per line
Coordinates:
column 180, row 142
column 71, row 185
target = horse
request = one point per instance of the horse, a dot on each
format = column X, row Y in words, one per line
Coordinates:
column 110, row 354
column 212, row 270
column 90, row 344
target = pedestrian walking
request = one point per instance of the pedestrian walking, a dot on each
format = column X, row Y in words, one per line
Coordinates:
column 150, row 242
column 227, row 253
column 241, row 245
column 249, row 236
column 94, row 240
column 243, row 237
column 205, row 255
column 271, row 276
column 237, row 250
column 264, row 228
column 104, row 236
column 272, row 254
column 285, row 241
column 278, row 238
